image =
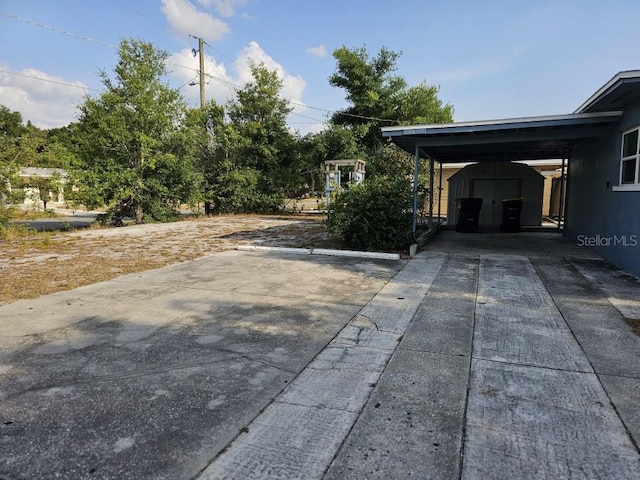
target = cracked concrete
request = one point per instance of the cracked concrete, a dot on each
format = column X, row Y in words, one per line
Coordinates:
column 487, row 356
column 151, row 375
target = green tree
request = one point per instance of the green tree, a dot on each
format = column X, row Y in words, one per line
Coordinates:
column 420, row 105
column 133, row 153
column 213, row 140
column 262, row 155
column 378, row 97
column 10, row 123
column 333, row 143
column 372, row 89
column 11, row 129
column 43, row 187
column 375, row 215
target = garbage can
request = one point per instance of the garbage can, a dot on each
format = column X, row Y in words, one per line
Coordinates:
column 511, row 210
column 468, row 214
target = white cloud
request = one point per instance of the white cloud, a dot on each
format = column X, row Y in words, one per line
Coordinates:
column 320, row 51
column 222, row 83
column 226, row 8
column 45, row 100
column 253, row 54
column 184, row 68
column 185, row 17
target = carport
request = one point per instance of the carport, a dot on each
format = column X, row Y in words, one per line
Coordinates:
column 508, row 140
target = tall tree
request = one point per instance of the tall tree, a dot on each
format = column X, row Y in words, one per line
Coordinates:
column 11, row 130
column 263, row 162
column 379, row 97
column 133, row 157
column 213, row 140
column 373, row 91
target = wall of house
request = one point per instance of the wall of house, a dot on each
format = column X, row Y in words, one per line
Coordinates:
column 598, row 217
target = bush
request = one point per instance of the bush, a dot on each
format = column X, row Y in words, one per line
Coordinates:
column 376, row 215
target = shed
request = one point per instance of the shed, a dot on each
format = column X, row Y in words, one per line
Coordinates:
column 495, row 182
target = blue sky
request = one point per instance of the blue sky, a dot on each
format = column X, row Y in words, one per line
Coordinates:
column 491, row 58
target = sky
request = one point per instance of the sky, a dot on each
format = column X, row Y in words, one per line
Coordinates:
column 492, row 59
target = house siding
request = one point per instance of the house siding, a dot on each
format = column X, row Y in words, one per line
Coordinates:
column 598, row 217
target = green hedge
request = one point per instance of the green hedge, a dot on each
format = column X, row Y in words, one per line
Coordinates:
column 376, row 215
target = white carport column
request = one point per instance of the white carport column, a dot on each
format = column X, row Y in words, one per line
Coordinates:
column 416, row 170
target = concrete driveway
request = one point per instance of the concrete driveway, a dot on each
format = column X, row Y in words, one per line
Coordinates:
column 487, row 356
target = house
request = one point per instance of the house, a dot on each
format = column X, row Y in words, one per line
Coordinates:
column 598, row 145
column 42, row 185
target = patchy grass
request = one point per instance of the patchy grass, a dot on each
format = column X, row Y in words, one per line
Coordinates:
column 34, row 264
column 23, row 215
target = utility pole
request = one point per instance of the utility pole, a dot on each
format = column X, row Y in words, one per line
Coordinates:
column 201, row 51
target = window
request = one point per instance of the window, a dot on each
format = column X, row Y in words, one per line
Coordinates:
column 630, row 162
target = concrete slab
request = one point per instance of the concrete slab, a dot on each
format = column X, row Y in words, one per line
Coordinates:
column 624, row 393
column 619, row 287
column 278, row 365
column 444, row 321
column 152, row 375
column 528, row 423
column 311, row 418
column 517, row 320
column 412, row 425
column 396, row 304
column 608, row 342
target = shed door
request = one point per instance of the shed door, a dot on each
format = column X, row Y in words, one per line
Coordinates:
column 492, row 192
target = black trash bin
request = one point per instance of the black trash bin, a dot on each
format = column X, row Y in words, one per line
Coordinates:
column 468, row 214
column 511, row 210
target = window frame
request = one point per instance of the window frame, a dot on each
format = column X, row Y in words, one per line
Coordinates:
column 635, row 185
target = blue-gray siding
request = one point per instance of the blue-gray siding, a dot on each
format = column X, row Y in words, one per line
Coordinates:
column 595, row 213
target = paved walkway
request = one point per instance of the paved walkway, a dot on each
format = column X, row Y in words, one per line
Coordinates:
column 487, row 356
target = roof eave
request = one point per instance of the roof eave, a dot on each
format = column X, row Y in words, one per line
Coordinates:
column 608, row 88
column 504, row 124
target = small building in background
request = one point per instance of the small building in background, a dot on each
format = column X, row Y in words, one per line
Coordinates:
column 339, row 174
column 42, row 187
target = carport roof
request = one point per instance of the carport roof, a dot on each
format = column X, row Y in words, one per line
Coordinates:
column 529, row 138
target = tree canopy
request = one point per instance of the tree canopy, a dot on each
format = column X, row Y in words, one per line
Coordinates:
column 132, row 154
column 379, row 97
column 138, row 150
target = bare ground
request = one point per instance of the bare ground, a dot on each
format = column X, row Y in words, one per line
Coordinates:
column 38, row 264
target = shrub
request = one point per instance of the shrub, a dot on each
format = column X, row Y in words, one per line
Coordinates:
column 376, row 215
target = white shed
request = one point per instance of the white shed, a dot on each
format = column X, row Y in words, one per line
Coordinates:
column 494, row 182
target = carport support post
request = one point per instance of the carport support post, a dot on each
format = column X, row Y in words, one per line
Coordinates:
column 431, row 173
column 440, row 194
column 561, row 206
column 416, row 169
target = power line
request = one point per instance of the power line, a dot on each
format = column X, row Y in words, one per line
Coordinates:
column 230, row 85
column 48, row 80
column 58, row 30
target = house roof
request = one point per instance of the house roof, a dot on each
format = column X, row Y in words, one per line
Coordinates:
column 617, row 93
column 529, row 138
column 42, row 172
column 517, row 139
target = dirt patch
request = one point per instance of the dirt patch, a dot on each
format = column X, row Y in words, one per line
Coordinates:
column 634, row 323
column 38, row 264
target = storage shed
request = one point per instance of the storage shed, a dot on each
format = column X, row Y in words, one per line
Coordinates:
column 495, row 182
